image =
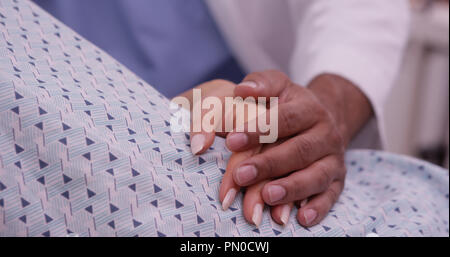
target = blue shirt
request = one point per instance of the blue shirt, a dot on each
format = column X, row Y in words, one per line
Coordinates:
column 173, row 45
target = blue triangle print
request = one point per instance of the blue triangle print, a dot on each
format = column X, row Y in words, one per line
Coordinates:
column 46, row 234
column 113, row 208
column 90, row 193
column 18, row 148
column 112, row 157
column 42, row 111
column 18, row 164
column 178, row 204
column 156, row 188
column 112, row 224
column 2, row 186
column 42, row 164
column 65, row 194
column 89, row 209
column 39, row 125
column 48, row 219
column 66, row 179
column 132, row 187
column 24, row 202
column 89, row 141
column 18, row 96
column 41, row 180
column 199, row 220
column 63, row 141
column 87, row 156
column 65, row 126
column 15, row 110
column 23, row 219
column 110, row 171
column 136, row 223
column 134, row 172
column 155, row 203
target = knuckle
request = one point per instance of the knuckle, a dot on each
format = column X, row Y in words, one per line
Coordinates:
column 332, row 195
column 288, row 119
column 336, row 140
column 267, row 166
column 324, row 178
column 303, row 148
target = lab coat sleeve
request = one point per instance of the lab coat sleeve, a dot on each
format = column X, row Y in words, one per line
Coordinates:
column 361, row 40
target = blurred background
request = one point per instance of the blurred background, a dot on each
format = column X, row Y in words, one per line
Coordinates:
column 417, row 112
column 417, row 116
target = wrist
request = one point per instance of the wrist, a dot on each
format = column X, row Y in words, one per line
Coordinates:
column 348, row 106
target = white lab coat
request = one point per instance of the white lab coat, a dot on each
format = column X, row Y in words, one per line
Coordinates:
column 361, row 40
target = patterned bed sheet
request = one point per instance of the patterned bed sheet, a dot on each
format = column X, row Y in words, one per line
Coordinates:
column 86, row 150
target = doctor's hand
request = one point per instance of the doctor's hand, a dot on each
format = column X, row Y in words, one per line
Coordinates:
column 306, row 165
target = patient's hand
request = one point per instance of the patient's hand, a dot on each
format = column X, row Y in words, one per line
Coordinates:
column 253, row 204
column 201, row 141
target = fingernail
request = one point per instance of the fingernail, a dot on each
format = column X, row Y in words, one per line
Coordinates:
column 197, row 143
column 229, row 198
column 304, row 202
column 276, row 193
column 257, row 214
column 285, row 211
column 310, row 216
column 237, row 140
column 245, row 174
column 248, row 84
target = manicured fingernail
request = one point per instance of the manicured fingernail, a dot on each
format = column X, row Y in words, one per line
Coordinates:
column 276, row 193
column 285, row 211
column 257, row 214
column 245, row 174
column 248, row 84
column 229, row 198
column 304, row 202
column 237, row 140
column 197, row 143
column 310, row 216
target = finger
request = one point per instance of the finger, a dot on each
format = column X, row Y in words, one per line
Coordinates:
column 253, row 204
column 302, row 184
column 202, row 134
column 280, row 213
column 294, row 117
column 228, row 189
column 270, row 83
column 318, row 206
column 295, row 154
